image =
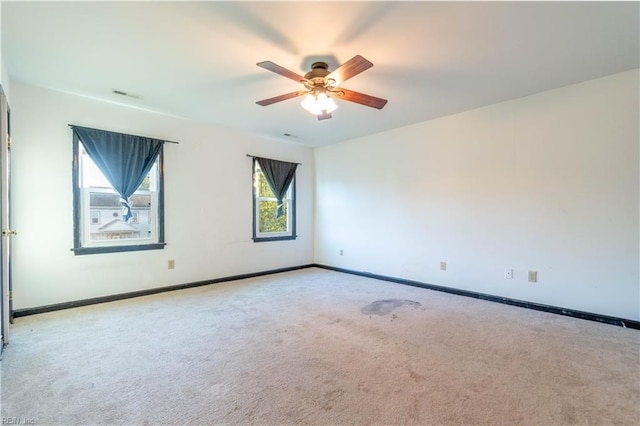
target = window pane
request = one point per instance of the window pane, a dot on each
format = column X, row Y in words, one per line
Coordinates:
column 106, row 217
column 90, row 175
column 268, row 221
column 106, row 203
column 263, row 187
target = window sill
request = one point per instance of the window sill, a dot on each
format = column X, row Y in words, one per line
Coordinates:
column 265, row 239
column 116, row 249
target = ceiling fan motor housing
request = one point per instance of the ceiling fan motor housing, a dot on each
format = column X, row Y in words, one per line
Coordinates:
column 319, row 70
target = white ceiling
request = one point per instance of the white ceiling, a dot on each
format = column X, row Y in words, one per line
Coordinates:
column 431, row 59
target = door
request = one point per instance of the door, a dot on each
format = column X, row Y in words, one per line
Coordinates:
column 5, row 247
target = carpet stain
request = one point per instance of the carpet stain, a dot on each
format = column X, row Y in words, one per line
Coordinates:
column 416, row 377
column 384, row 307
column 330, row 397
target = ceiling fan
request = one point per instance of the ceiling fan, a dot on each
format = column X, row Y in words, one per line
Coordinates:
column 322, row 85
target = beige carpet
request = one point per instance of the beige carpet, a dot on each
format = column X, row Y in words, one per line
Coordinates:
column 318, row 347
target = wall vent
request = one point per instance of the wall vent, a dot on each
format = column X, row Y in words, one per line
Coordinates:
column 123, row 93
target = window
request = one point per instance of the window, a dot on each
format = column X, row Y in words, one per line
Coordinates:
column 95, row 217
column 267, row 224
column 103, row 222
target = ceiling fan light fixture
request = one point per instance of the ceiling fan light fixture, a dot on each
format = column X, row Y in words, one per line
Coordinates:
column 319, row 104
column 321, row 85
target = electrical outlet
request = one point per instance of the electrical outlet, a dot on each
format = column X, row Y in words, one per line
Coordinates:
column 341, row 252
column 533, row 276
column 171, row 264
column 443, row 266
column 508, row 274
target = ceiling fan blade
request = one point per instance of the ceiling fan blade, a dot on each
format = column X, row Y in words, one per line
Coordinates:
column 281, row 98
column 270, row 66
column 361, row 98
column 351, row 68
column 324, row 116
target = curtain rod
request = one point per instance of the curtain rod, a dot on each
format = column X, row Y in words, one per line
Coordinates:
column 73, row 125
column 255, row 156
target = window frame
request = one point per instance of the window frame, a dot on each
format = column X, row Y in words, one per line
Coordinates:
column 78, row 226
column 258, row 236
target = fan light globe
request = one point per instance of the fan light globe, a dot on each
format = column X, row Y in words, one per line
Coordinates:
column 319, row 104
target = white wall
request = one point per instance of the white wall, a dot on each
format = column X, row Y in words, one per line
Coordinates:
column 546, row 183
column 4, row 81
column 208, row 208
column 4, row 75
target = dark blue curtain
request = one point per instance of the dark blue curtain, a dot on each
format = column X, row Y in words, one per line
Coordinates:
column 279, row 175
column 125, row 160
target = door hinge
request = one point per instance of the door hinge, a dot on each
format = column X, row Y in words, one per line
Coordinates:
column 10, row 295
column 6, row 232
column 8, row 142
